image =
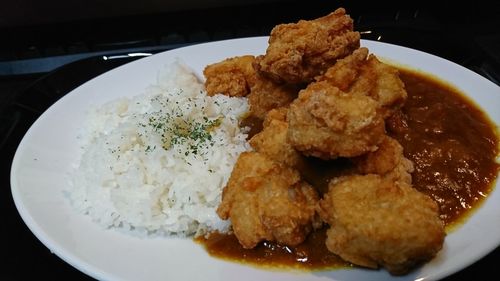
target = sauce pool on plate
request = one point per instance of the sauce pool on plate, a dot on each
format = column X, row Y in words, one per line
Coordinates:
column 452, row 144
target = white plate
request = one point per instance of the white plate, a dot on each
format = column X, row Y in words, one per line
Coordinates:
column 45, row 155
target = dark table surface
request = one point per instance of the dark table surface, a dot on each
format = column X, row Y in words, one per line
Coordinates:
column 467, row 35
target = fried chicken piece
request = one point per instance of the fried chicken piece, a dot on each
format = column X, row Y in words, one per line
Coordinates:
column 236, row 77
column 389, row 89
column 327, row 123
column 388, row 161
column 278, row 114
column 272, row 140
column 345, row 71
column 232, row 77
column 363, row 74
column 298, row 52
column 266, row 95
column 376, row 221
column 267, row 200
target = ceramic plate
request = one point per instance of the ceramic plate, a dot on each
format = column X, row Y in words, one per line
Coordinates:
column 46, row 154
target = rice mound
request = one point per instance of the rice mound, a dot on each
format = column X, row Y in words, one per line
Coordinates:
column 157, row 163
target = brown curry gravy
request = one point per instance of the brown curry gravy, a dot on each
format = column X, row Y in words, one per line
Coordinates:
column 452, row 144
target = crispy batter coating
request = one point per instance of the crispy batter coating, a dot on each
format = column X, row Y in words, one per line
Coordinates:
column 233, row 76
column 327, row 123
column 272, row 140
column 388, row 161
column 375, row 221
column 278, row 114
column 345, row 71
column 267, row 200
column 389, row 89
column 266, row 95
column 363, row 74
column 236, row 77
column 298, row 52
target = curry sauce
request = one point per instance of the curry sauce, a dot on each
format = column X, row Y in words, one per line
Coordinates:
column 452, row 144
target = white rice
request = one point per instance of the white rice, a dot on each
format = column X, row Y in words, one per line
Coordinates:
column 139, row 172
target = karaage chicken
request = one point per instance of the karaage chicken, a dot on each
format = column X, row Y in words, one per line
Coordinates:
column 266, row 95
column 387, row 161
column 375, row 221
column 267, row 200
column 319, row 94
column 298, row 52
column 327, row 123
column 236, row 77
column 363, row 74
column 272, row 140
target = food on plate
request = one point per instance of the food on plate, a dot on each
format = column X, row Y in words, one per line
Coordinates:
column 236, row 76
column 272, row 140
column 267, row 200
column 157, row 162
column 327, row 123
column 233, row 77
column 363, row 74
column 437, row 128
column 267, row 95
column 340, row 113
column 316, row 146
column 342, row 131
column 377, row 221
column 298, row 52
column 387, row 161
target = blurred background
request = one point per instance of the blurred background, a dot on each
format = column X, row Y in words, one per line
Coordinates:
column 50, row 47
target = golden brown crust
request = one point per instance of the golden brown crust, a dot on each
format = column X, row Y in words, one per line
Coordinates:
column 345, row 71
column 272, row 140
column 232, row 77
column 267, row 200
column 363, row 74
column 376, row 221
column 298, row 52
column 266, row 95
column 236, row 77
column 387, row 161
column 327, row 123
